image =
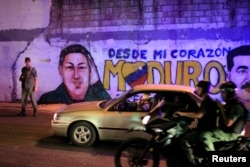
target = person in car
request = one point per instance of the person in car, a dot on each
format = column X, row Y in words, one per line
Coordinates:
column 207, row 119
column 144, row 103
column 233, row 117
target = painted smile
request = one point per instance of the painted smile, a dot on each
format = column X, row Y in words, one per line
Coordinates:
column 77, row 84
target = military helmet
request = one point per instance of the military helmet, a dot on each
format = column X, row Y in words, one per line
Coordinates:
column 228, row 87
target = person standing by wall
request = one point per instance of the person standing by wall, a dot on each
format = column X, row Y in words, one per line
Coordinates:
column 28, row 78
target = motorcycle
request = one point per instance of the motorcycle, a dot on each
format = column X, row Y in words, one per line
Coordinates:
column 166, row 132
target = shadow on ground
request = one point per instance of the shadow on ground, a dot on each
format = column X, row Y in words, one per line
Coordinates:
column 62, row 143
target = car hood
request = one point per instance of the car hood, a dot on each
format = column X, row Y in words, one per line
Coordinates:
column 84, row 106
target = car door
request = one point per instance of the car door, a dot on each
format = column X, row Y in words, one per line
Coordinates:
column 123, row 116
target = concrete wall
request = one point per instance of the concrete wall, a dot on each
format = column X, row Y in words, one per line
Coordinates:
column 178, row 42
column 20, row 23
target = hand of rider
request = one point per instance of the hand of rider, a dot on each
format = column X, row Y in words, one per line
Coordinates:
column 220, row 105
column 177, row 114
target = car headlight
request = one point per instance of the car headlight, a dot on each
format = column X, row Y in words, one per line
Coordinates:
column 145, row 119
column 57, row 117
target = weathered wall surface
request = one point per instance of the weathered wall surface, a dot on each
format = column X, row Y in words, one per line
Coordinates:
column 21, row 21
column 168, row 41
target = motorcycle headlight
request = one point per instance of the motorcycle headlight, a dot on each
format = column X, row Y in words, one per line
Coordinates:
column 145, row 119
column 158, row 130
column 243, row 132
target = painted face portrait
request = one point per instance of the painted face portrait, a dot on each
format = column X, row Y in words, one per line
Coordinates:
column 80, row 78
column 240, row 75
column 75, row 73
column 238, row 61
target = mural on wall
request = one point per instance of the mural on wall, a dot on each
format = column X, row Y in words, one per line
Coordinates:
column 80, row 78
column 181, row 67
column 114, row 69
column 162, row 66
column 238, row 66
column 181, row 49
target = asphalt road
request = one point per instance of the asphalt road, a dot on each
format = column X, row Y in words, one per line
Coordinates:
column 29, row 142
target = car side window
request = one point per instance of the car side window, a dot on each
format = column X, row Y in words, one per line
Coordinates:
column 185, row 102
column 192, row 105
column 141, row 102
column 178, row 101
column 173, row 102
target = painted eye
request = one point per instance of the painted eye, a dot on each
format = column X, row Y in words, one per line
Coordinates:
column 69, row 67
column 82, row 67
column 241, row 71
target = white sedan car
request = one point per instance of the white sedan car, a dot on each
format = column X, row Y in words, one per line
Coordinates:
column 84, row 123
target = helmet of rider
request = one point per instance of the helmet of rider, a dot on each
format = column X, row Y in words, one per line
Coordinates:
column 229, row 88
column 205, row 85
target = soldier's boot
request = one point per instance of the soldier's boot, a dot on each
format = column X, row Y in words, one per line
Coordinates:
column 22, row 113
column 34, row 112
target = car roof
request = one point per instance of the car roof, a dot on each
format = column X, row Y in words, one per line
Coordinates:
column 164, row 87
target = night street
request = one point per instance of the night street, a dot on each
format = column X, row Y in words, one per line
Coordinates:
column 28, row 141
column 113, row 62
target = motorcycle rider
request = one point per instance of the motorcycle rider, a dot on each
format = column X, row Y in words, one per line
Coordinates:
column 207, row 119
column 233, row 117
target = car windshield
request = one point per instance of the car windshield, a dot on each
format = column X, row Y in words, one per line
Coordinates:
column 111, row 101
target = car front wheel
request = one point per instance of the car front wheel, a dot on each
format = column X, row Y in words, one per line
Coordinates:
column 82, row 134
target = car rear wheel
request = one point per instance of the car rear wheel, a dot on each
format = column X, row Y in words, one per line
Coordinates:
column 82, row 134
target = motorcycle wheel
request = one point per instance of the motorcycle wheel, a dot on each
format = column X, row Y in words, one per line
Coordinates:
column 127, row 155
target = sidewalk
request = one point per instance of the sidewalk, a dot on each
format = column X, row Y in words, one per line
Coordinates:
column 16, row 106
